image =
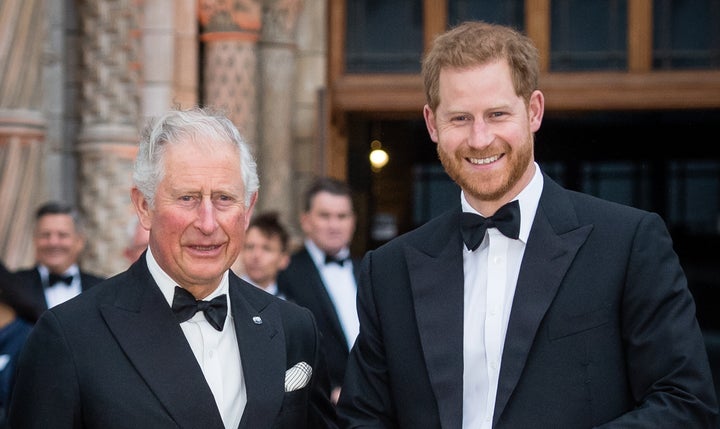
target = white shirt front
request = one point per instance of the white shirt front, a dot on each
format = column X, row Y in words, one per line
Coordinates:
column 60, row 292
column 341, row 286
column 217, row 352
column 491, row 274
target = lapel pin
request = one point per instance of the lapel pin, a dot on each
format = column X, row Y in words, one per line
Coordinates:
column 257, row 320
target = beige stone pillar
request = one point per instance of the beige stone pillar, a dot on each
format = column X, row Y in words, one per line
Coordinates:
column 22, row 126
column 21, row 144
column 229, row 32
column 278, row 68
column 109, row 111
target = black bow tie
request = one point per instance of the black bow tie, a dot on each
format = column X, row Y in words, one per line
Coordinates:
column 334, row 260
column 506, row 219
column 57, row 278
column 185, row 306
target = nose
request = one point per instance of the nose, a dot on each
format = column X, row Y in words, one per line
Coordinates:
column 54, row 240
column 481, row 134
column 254, row 253
column 206, row 221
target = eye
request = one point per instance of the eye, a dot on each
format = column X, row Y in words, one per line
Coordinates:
column 460, row 118
column 187, row 200
column 224, row 200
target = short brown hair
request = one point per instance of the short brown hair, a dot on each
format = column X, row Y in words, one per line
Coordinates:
column 270, row 226
column 326, row 184
column 59, row 208
column 475, row 43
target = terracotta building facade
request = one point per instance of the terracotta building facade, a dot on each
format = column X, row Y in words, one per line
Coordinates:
column 79, row 79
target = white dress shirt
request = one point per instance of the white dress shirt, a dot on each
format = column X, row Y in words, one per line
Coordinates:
column 60, row 292
column 217, row 352
column 341, row 286
column 491, row 273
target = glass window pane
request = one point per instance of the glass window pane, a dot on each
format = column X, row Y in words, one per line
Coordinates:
column 588, row 35
column 509, row 12
column 695, row 196
column 686, row 34
column 554, row 169
column 624, row 182
column 384, row 36
column 434, row 192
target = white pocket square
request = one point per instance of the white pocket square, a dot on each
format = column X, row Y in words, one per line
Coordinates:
column 298, row 376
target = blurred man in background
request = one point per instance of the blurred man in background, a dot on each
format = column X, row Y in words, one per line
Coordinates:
column 59, row 239
column 265, row 252
column 322, row 276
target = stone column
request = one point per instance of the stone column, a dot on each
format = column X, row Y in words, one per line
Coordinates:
column 22, row 136
column 22, row 126
column 230, row 31
column 109, row 112
column 278, row 68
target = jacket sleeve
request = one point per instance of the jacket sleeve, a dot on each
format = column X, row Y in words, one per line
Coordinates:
column 46, row 392
column 667, row 364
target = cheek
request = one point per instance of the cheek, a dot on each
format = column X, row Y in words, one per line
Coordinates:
column 234, row 226
column 451, row 138
column 77, row 245
column 168, row 222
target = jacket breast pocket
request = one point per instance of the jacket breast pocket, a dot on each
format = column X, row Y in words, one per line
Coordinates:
column 563, row 325
column 297, row 399
column 293, row 413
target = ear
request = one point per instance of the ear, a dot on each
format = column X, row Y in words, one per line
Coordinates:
column 429, row 116
column 141, row 207
column 284, row 261
column 249, row 210
column 536, row 108
column 80, row 242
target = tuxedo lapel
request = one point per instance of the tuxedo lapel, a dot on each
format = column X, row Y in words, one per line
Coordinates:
column 262, row 353
column 555, row 238
column 435, row 266
column 38, row 289
column 322, row 297
column 160, row 352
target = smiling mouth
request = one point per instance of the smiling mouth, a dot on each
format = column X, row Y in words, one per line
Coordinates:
column 205, row 248
column 483, row 161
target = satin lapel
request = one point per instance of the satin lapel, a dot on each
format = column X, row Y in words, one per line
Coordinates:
column 146, row 329
column 37, row 288
column 321, row 295
column 435, row 267
column 555, row 239
column 262, row 352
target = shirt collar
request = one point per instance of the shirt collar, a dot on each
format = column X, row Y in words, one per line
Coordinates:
column 318, row 256
column 272, row 287
column 73, row 270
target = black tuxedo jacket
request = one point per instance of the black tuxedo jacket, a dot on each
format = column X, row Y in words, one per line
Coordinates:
column 602, row 330
column 301, row 283
column 30, row 278
column 116, row 357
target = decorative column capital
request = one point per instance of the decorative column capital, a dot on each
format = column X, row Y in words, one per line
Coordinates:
column 280, row 20
column 230, row 20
